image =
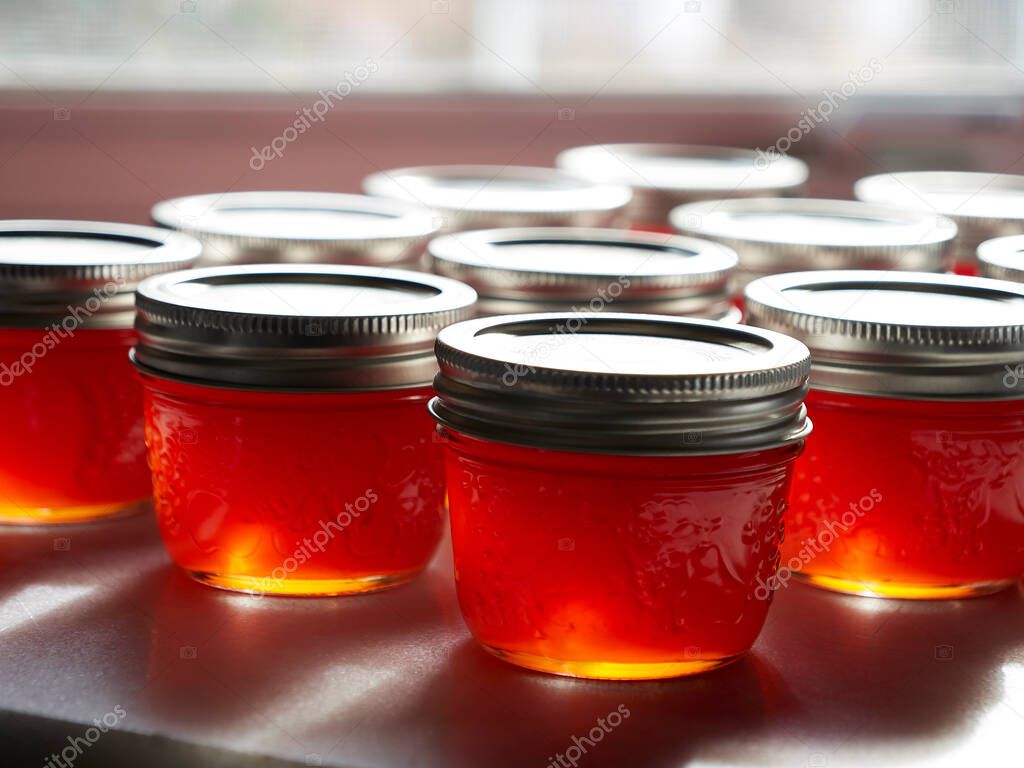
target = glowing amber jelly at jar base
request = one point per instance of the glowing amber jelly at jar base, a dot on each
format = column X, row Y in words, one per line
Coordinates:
column 913, row 485
column 616, row 486
column 286, row 423
column 70, row 406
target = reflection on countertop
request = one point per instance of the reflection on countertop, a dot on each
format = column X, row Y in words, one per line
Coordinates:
column 93, row 617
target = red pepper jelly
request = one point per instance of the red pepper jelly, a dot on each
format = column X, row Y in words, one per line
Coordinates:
column 301, row 227
column 70, row 407
column 288, row 436
column 663, row 176
column 983, row 205
column 486, row 196
column 564, row 269
column 913, row 485
column 616, row 485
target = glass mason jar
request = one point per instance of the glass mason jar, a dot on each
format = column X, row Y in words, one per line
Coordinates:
column 488, row 196
column 913, row 486
column 300, row 227
column 983, row 205
column 1002, row 258
column 70, row 407
column 564, row 269
column 616, row 486
column 664, row 176
column 771, row 236
column 286, row 424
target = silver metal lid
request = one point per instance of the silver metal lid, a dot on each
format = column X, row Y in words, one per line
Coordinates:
column 1003, row 258
column 81, row 272
column 900, row 334
column 609, row 382
column 485, row 196
column 296, row 327
column 666, row 175
column 541, row 269
column 983, row 205
column 772, row 235
column 300, row 227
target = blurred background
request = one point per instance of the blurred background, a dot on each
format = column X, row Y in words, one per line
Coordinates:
column 110, row 106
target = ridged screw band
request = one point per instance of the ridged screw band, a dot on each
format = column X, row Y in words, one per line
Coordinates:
column 221, row 346
column 95, row 293
column 898, row 359
column 680, row 407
